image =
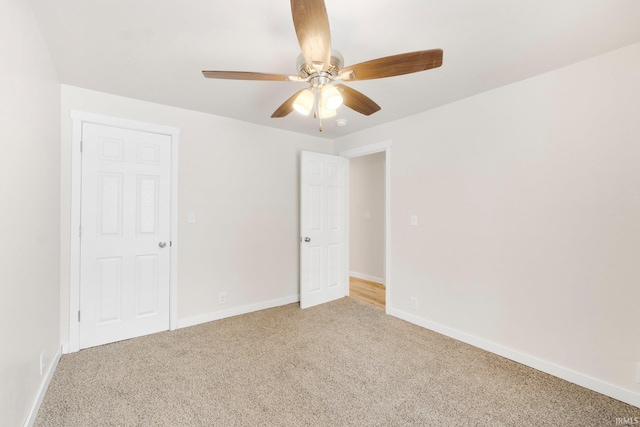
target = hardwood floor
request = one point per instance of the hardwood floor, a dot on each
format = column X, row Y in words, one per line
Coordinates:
column 369, row 292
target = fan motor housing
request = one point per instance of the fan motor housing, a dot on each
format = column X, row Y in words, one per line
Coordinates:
column 305, row 71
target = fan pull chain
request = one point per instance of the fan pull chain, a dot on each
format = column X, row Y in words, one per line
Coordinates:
column 318, row 108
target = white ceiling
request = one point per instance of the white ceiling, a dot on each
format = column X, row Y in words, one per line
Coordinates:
column 155, row 50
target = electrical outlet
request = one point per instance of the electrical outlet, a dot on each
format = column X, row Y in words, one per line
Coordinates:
column 414, row 303
column 638, row 373
column 42, row 362
column 222, row 298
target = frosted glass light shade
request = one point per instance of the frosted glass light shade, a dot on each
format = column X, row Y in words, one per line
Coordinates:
column 304, row 102
column 325, row 113
column 331, row 97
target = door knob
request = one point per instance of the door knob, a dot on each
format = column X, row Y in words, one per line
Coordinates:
column 307, row 239
column 162, row 244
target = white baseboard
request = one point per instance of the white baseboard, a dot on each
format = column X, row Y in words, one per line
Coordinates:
column 217, row 315
column 33, row 412
column 619, row 393
column 366, row 277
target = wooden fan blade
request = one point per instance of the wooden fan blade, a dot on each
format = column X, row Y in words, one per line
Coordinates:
column 396, row 65
column 357, row 101
column 246, row 75
column 312, row 28
column 287, row 106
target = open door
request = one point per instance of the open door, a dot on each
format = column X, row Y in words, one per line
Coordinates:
column 324, row 253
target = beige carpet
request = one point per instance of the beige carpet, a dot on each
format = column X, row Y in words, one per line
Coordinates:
column 342, row 363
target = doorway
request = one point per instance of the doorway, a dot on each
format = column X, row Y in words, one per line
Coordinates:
column 366, row 228
column 369, row 223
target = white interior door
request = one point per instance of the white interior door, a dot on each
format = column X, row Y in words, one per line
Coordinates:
column 125, row 234
column 324, row 255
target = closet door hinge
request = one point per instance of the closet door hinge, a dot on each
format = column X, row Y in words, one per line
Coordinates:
column 78, row 315
column 81, row 146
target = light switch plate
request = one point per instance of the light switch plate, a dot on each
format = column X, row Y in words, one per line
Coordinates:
column 414, row 220
column 367, row 215
column 192, row 218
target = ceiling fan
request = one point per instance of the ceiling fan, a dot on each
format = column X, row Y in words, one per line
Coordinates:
column 320, row 66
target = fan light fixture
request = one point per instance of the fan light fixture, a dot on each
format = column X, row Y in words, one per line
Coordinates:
column 326, row 113
column 304, row 102
column 328, row 101
column 331, row 97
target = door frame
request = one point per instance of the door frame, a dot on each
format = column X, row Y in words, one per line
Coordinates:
column 378, row 147
column 79, row 118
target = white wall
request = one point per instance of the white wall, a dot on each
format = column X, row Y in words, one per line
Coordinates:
column 29, row 217
column 528, row 200
column 241, row 181
column 366, row 235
